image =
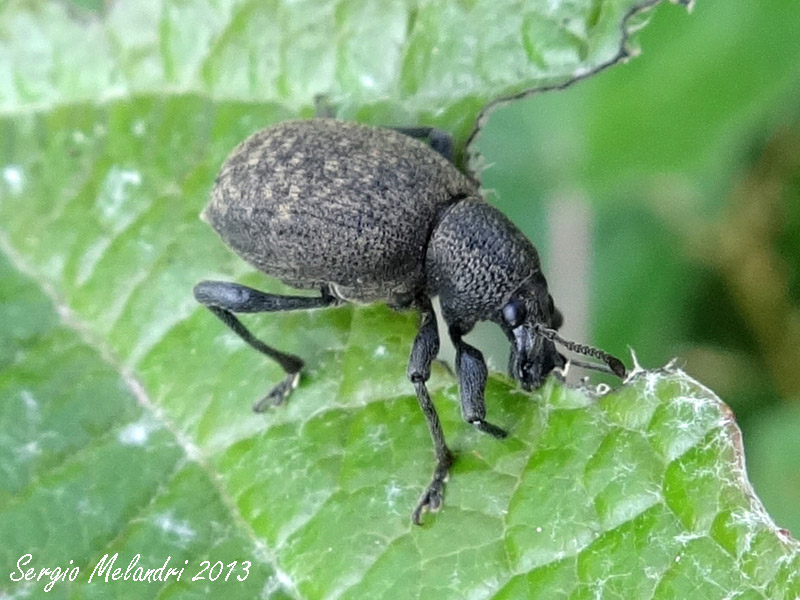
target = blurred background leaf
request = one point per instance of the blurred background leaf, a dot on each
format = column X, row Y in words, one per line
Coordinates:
column 687, row 160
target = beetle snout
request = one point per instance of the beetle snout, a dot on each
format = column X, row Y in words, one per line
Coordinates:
column 532, row 358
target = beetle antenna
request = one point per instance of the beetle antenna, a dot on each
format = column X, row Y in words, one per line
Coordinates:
column 614, row 364
column 601, row 368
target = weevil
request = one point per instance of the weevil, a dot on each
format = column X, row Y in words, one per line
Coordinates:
column 366, row 214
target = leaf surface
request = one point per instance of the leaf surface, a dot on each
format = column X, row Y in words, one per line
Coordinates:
column 405, row 63
column 126, row 407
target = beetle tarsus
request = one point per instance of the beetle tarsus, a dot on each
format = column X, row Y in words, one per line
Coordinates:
column 492, row 430
column 432, row 497
column 279, row 393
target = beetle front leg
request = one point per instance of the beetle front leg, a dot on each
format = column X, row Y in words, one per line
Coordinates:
column 472, row 374
column 425, row 349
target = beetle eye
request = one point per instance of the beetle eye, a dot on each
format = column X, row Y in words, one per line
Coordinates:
column 514, row 313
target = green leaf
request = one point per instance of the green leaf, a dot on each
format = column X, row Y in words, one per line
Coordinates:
column 772, row 451
column 91, row 467
column 636, row 493
column 125, row 407
column 437, row 62
column 132, row 431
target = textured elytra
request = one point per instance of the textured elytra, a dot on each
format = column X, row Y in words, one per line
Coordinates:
column 324, row 202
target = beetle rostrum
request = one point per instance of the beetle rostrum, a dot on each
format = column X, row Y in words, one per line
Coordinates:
column 366, row 214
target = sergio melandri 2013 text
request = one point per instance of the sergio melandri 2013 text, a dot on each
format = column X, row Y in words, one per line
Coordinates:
column 106, row 571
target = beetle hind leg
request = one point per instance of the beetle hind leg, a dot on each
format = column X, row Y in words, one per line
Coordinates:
column 223, row 299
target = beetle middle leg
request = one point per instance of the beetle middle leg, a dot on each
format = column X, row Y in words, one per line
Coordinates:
column 472, row 374
column 225, row 298
column 425, row 349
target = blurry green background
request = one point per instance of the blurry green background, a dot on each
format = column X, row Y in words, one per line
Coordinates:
column 685, row 166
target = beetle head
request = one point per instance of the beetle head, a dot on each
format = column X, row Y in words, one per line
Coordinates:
column 532, row 356
column 483, row 268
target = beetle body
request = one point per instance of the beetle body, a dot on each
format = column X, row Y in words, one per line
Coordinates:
column 370, row 214
column 322, row 202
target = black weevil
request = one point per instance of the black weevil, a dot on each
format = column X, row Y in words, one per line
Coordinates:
column 369, row 214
